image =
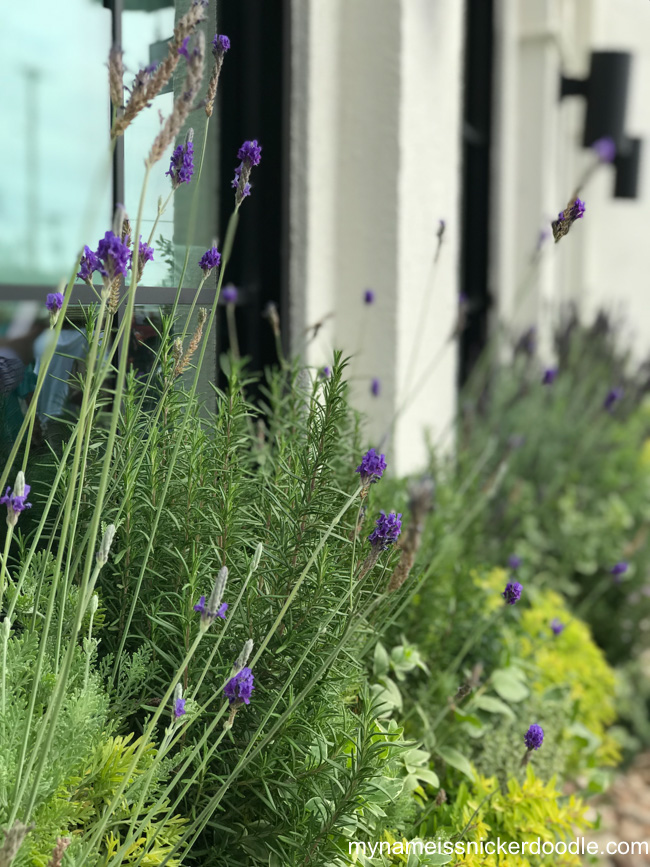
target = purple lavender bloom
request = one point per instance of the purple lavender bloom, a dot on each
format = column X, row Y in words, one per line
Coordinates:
column 183, row 49
column 88, row 265
column 15, row 500
column 326, row 372
column 534, row 737
column 514, row 562
column 557, row 626
column 387, row 530
column 575, row 212
column 550, row 375
column 605, row 149
column 203, row 611
column 613, row 397
column 181, row 165
column 375, row 387
column 369, row 296
column 239, row 688
column 145, row 252
column 616, row 571
column 209, row 260
column 220, row 44
column 229, row 293
column 512, row 593
column 372, row 467
column 179, row 707
column 54, row 301
column 235, row 182
column 114, row 255
column 250, row 152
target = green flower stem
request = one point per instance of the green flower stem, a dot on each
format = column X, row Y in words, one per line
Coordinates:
column 49, row 724
column 5, row 558
column 146, row 737
column 180, row 436
column 232, row 331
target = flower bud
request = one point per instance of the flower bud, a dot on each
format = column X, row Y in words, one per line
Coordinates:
column 105, row 547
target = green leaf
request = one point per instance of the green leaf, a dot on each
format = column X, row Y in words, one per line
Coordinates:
column 456, row 759
column 507, row 682
column 492, row 704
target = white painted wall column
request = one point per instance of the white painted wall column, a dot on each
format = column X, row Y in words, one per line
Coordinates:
column 376, row 164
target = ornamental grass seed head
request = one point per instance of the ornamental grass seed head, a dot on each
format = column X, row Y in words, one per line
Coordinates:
column 512, row 593
column 16, row 500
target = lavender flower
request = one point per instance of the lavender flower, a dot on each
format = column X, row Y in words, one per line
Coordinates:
column 387, row 530
column 229, row 293
column 179, row 707
column 209, row 260
column 16, row 500
column 202, row 609
column 213, row 607
column 220, row 44
column 512, row 593
column 54, row 303
column 183, row 49
column 557, row 626
column 88, row 265
column 534, row 737
column 514, row 562
column 145, row 252
column 612, row 398
column 605, row 149
column 371, row 468
column 239, row 688
column 369, row 296
column 326, row 372
column 617, row 570
column 181, row 165
column 550, row 375
column 575, row 211
column 375, row 387
column 250, row 154
column 114, row 255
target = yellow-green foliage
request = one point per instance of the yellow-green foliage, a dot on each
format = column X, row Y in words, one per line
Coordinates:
column 570, row 660
column 525, row 812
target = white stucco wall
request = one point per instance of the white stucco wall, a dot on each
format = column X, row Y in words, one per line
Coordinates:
column 538, row 158
column 377, row 88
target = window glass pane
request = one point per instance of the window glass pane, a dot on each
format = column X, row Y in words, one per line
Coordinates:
column 53, row 135
column 147, row 25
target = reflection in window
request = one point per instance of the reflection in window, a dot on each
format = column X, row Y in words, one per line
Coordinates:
column 147, row 26
column 54, row 103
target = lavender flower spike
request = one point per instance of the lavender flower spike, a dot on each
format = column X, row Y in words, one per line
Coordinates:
column 387, row 530
column 619, row 569
column 612, row 398
column 209, row 260
column 550, row 375
column 181, row 165
column 105, row 546
column 229, row 294
column 239, row 688
column 557, row 627
column 16, row 500
column 375, row 387
column 605, row 149
column 250, row 154
column 512, row 593
column 88, row 265
column 371, row 468
column 54, row 303
column 220, row 44
column 214, row 606
column 114, row 255
column 369, row 296
column 243, row 657
column 534, row 737
column 514, row 562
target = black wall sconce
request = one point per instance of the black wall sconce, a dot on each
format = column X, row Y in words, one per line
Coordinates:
column 606, row 90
